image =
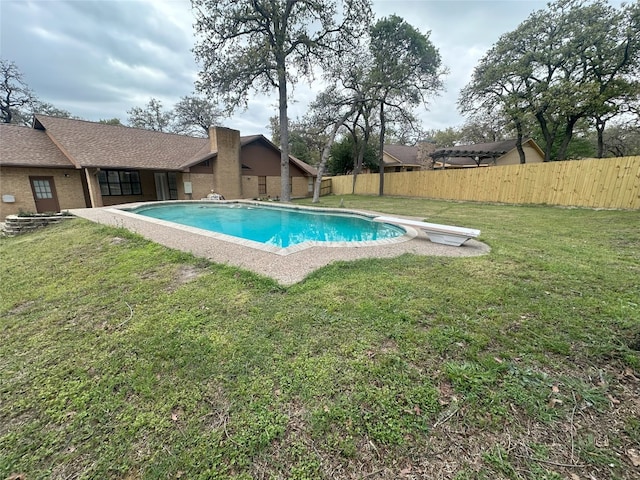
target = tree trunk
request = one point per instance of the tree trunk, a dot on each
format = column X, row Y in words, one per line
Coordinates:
column 523, row 158
column 548, row 138
column 324, row 158
column 356, row 149
column 600, row 124
column 7, row 114
column 568, row 134
column 359, row 162
column 323, row 162
column 381, row 157
column 285, row 183
column 360, row 159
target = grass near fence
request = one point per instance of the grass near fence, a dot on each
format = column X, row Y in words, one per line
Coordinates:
column 120, row 358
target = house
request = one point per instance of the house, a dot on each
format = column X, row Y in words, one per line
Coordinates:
column 64, row 163
column 486, row 154
column 406, row 158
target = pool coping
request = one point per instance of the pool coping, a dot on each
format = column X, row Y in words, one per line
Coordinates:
column 285, row 269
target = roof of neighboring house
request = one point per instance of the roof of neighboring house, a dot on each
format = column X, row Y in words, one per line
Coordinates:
column 491, row 149
column 91, row 144
column 30, row 148
column 402, row 154
column 464, row 155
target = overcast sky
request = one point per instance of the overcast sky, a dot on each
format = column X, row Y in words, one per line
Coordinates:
column 99, row 58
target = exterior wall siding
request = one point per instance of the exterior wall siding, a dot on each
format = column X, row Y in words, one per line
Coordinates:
column 201, row 184
column 15, row 181
column 595, row 183
column 227, row 176
column 273, row 187
column 512, row 157
column 250, row 186
column 300, row 187
column 261, row 160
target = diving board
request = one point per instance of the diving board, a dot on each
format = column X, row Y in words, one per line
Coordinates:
column 445, row 234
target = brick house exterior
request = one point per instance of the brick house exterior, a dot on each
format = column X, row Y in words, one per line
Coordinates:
column 61, row 164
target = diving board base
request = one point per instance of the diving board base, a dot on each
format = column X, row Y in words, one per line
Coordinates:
column 443, row 234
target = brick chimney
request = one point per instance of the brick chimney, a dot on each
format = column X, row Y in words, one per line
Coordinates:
column 227, row 171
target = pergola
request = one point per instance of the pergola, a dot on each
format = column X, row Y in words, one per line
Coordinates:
column 477, row 155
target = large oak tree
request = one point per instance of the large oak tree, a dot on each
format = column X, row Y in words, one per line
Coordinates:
column 266, row 45
column 151, row 117
column 192, row 115
column 405, row 72
column 575, row 60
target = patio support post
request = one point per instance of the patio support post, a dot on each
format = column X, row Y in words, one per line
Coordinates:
column 91, row 175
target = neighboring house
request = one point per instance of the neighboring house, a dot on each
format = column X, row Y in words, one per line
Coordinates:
column 486, row 154
column 404, row 158
column 63, row 163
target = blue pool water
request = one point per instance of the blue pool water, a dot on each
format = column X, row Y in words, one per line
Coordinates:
column 279, row 226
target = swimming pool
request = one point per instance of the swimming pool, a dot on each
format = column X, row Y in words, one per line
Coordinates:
column 274, row 226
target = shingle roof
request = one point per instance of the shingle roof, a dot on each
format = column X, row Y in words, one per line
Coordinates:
column 90, row 144
column 64, row 142
column 29, row 148
column 305, row 167
column 491, row 149
column 403, row 153
column 252, row 138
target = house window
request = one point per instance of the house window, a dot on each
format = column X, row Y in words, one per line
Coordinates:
column 119, row 182
column 42, row 189
column 262, row 185
column 172, row 180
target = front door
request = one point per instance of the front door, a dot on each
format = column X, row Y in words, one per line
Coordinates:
column 44, row 194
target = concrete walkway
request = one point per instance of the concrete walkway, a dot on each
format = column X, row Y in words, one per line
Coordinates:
column 286, row 269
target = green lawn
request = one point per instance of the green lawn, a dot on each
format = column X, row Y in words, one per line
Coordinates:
column 120, row 358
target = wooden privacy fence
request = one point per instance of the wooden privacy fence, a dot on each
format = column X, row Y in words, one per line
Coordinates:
column 325, row 186
column 596, row 183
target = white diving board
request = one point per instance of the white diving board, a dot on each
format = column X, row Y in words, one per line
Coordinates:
column 445, row 234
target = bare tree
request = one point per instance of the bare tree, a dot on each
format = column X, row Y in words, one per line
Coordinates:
column 15, row 93
column 194, row 115
column 328, row 112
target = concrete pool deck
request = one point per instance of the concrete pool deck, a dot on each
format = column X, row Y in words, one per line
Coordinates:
column 286, row 269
